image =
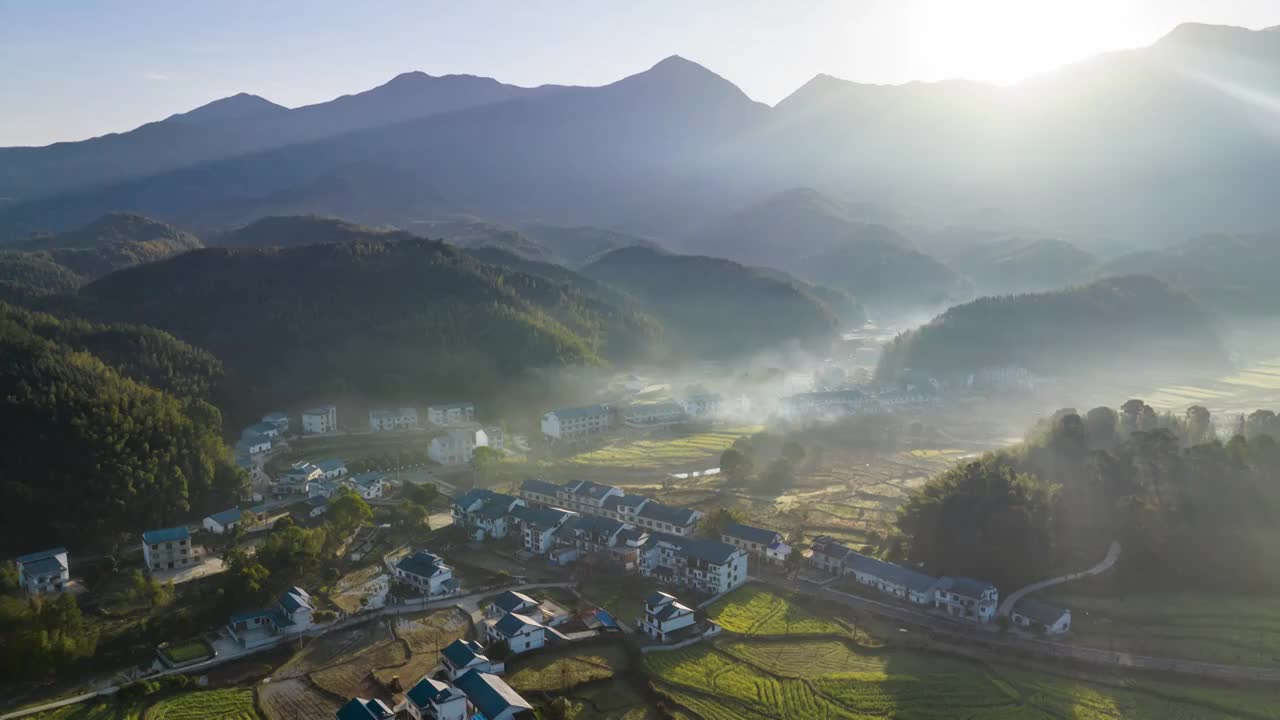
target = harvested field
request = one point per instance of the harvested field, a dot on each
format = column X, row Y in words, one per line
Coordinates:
column 295, row 698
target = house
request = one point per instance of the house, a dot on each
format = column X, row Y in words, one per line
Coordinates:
column 703, row 405
column 44, row 572
column 253, row 444
column 833, row 403
column 279, row 419
column 484, row 513
column 828, row 555
column 169, row 549
column 654, row 416
column 511, row 602
column 298, row 478
column 664, row 616
column 708, row 566
column 521, row 633
column 332, row 468
column 1033, row 614
column 451, row 413
column 585, row 496
column 539, row 492
column 223, row 522
column 456, row 445
column 967, row 598
column 266, row 429
column 462, row 656
column 432, row 699
column 583, row 535
column 291, row 614
column 764, row 544
column 664, row 518
column 623, row 507
column 317, row 420
column 317, row 505
column 497, row 437
column 427, row 572
column 538, row 526
column 903, row 583
column 490, row 698
column 577, row 422
column 405, row 418
column 362, row 709
column 369, row 485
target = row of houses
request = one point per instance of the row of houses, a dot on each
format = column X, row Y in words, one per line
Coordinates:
column 608, row 501
column 854, row 401
column 324, row 478
column 575, row 423
column 473, row 695
column 407, row 418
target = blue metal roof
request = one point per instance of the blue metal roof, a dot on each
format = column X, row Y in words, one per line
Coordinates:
column 422, row 563
column 172, row 534
column 461, row 653
column 489, row 693
column 361, row 709
column 513, row 624
column 430, row 691
column 41, row 555
column 226, row 516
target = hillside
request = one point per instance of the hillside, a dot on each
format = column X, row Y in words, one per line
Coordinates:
column 1234, row 274
column 112, row 434
column 1110, row 326
column 578, row 245
column 295, row 230
column 46, row 264
column 1015, row 265
column 371, row 318
column 715, row 307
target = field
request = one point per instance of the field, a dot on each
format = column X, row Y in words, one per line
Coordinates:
column 753, row 610
column 188, row 651
column 294, row 698
column 799, row 680
column 1243, row 391
column 226, row 704
column 566, row 669
column 697, row 451
column 1233, row 629
column 621, row 595
column 105, row 709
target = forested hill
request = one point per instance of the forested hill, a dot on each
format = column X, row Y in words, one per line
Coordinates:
column 715, row 307
column 45, row 264
column 1112, row 325
column 376, row 319
column 106, row 432
column 294, row 230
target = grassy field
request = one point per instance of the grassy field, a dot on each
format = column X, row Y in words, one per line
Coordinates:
column 754, row 610
column 621, row 595
column 226, row 704
column 105, row 709
column 1235, row 629
column 188, row 651
column 655, row 453
column 799, row 680
column 562, row 670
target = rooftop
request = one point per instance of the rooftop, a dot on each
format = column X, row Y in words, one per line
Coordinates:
column 226, row 516
column 491, row 695
column 322, row 410
column 461, row 653
column 965, row 586
column 912, row 579
column 362, row 709
column 1041, row 612
column 515, row 623
column 172, row 534
column 614, row 502
column 658, row 512
column 540, row 518
column 422, row 563
column 451, row 406
column 511, row 601
column 41, row 555
column 751, row 534
column 591, row 489
column 541, row 487
column 583, row 411
column 429, row 692
column 331, row 465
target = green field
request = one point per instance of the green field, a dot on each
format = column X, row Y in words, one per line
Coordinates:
column 1233, row 629
column 227, row 704
column 566, row 669
column 105, row 709
column 665, row 452
column 803, row 679
column 754, row 610
column 189, row 651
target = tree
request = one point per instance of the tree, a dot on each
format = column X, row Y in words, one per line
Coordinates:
column 484, row 460
column 348, row 511
column 1199, row 425
column 793, row 452
column 735, row 466
column 779, row 476
column 247, row 579
column 714, row 523
column 1100, row 426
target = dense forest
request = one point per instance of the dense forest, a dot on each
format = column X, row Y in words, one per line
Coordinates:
column 1190, row 510
column 1111, row 325
column 107, row 430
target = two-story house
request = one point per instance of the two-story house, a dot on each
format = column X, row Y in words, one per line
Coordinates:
column 521, row 633
column 405, row 418
column 457, row 445
column 428, row 573
column 451, row 413
column 900, row 582
column 682, row 522
column 47, row 571
column 538, row 526
column 332, row 468
column 462, row 656
column 664, row 617
column 766, row 545
column 489, row 697
column 654, row 416
column 828, row 555
column 484, row 513
column 319, row 420
column 966, row 598
column 291, row 614
column 369, row 485
column 577, row 422
column 432, row 699
column 708, row 566
column 169, row 549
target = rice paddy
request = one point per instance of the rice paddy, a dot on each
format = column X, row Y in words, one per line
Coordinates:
column 753, row 610
column 697, row 448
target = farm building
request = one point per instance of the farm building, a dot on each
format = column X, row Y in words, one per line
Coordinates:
column 1033, row 614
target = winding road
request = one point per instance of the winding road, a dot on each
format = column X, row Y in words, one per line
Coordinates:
column 1113, row 554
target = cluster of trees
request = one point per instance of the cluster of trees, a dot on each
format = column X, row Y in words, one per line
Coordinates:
column 765, row 462
column 96, row 451
column 1189, row 509
column 1133, row 321
column 40, row 635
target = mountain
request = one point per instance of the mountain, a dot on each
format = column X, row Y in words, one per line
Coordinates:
column 578, row 245
column 1016, row 265
column 640, row 149
column 45, row 264
column 1233, row 274
column 715, row 307
column 820, row 239
column 295, row 230
column 473, row 233
column 236, row 125
column 372, row 318
column 109, row 430
column 1112, row 326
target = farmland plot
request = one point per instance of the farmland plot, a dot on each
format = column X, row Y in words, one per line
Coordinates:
column 225, row 704
column 753, row 610
column 295, row 698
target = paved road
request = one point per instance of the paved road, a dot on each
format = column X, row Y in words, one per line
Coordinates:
column 1113, row 554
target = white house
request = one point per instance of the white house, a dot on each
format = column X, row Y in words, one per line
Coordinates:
column 767, row 545
column 511, row 602
column 583, row 535
column 702, row 405
column 664, row 518
column 538, row 527
column 291, row 614
column 279, row 419
column 900, row 582
column 253, row 444
column 462, row 656
column 451, row 413
column 484, row 513
column 432, row 699
column 332, row 468
column 521, row 632
column 577, row 422
column 967, row 598
column 654, row 416
column 456, row 445
column 1033, row 614
column 664, row 616
column 223, row 522
column 497, row 437
column 44, row 572
column 708, row 566
column 317, row 420
column 405, row 418
column 490, row 698
column 369, row 485
column 829, row 555
column 169, row 549
column 427, row 572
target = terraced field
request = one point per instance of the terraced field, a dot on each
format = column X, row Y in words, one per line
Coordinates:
column 754, row 610
column 698, row 448
column 225, row 704
column 566, row 669
column 295, row 698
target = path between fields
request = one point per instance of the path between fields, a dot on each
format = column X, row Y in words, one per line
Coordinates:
column 1113, row 554
column 467, row 603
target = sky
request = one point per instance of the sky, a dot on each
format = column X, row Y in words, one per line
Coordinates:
column 72, row 69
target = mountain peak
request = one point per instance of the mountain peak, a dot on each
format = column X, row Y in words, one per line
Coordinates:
column 1194, row 33
column 236, row 107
